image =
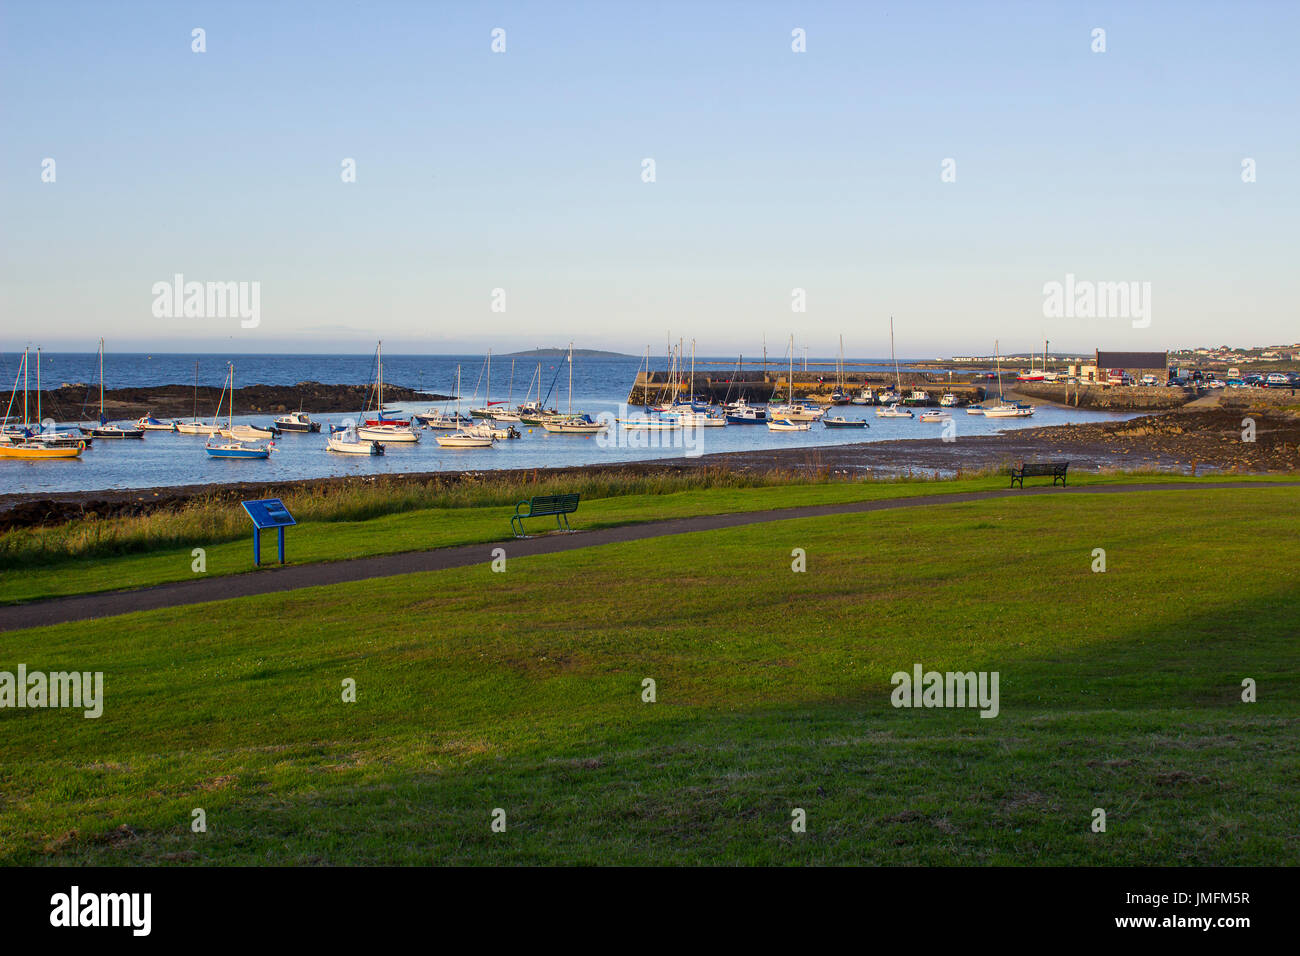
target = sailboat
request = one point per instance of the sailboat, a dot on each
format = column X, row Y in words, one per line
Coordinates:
column 382, row 428
column 466, row 436
column 838, row 397
column 893, row 409
column 572, row 424
column 226, row 446
column 505, row 413
column 1005, row 409
column 195, row 425
column 780, row 422
column 21, row 443
column 104, row 429
column 802, row 412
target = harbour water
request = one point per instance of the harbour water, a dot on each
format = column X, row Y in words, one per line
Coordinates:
column 600, row 385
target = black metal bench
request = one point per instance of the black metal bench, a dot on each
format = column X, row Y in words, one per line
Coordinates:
column 559, row 505
column 1038, row 469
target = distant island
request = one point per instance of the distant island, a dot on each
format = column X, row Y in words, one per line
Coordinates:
column 560, row 353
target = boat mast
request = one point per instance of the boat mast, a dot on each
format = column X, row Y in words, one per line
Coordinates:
column 792, row 368
column 379, row 373
column 570, row 379
column 487, row 396
column 101, row 381
column 24, row 388
column 38, row 385
column 196, row 389
column 510, row 391
column 898, row 379
column 692, row 395
column 997, row 359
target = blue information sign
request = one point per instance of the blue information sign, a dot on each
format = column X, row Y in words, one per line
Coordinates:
column 268, row 513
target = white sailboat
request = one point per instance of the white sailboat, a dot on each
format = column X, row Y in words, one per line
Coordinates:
column 571, row 424
column 782, row 419
column 466, row 436
column 195, row 426
column 381, row 428
column 1005, row 409
column 893, row 409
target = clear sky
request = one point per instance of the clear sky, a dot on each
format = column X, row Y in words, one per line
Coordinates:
column 774, row 170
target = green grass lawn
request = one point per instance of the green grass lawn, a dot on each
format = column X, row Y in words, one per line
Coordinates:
column 522, row 691
column 425, row 528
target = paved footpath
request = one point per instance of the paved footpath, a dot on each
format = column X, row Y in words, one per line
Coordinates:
column 275, row 579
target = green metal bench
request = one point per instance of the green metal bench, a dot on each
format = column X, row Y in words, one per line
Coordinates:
column 1038, row 469
column 559, row 505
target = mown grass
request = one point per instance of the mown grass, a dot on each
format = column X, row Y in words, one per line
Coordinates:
column 95, row 555
column 523, row 691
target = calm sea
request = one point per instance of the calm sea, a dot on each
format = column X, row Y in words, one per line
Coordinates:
column 599, row 385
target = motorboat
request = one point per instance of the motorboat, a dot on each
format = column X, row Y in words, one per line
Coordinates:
column 742, row 413
column 949, row 400
column 296, row 422
column 344, row 440
column 150, row 424
column 893, row 410
column 840, row 421
column 786, row 425
column 935, row 415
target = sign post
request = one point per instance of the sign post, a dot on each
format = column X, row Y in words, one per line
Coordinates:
column 268, row 513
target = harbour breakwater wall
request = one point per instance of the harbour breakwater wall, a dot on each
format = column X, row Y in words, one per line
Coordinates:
column 1116, row 398
column 760, row 387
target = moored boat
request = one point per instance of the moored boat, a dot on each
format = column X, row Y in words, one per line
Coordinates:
column 382, row 427
column 343, row 440
column 785, row 425
column 150, row 424
column 742, row 413
column 226, row 448
column 840, row 421
column 570, row 423
column 296, row 422
column 40, row 451
column 893, row 411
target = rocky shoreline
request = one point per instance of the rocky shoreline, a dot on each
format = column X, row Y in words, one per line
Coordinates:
column 80, row 402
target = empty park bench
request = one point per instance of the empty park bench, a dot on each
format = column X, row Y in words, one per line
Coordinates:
column 1038, row 469
column 559, row 505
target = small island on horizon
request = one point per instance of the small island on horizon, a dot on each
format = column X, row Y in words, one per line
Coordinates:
column 560, row 353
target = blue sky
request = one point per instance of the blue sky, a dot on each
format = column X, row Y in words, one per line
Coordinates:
column 775, row 170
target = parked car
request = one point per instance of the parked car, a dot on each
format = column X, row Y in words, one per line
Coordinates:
column 1217, row 383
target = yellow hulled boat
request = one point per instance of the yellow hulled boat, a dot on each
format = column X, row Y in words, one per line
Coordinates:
column 34, row 451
